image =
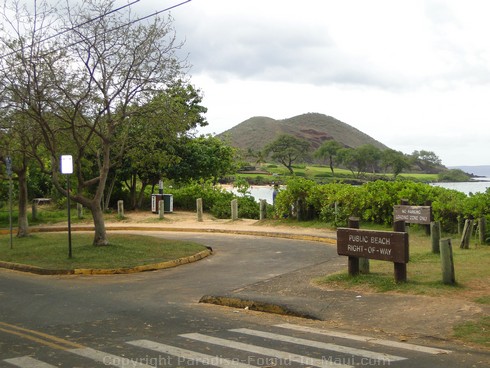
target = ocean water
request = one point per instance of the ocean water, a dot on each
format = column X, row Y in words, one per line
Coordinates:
column 479, row 186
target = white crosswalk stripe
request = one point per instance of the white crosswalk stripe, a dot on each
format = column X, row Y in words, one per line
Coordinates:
column 321, row 345
column 394, row 344
column 256, row 353
column 184, row 355
column 27, row 361
column 283, row 356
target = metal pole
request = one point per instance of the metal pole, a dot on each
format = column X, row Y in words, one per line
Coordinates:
column 69, row 215
column 8, row 163
column 10, row 212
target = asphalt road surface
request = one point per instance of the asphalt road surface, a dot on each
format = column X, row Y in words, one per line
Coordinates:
column 153, row 319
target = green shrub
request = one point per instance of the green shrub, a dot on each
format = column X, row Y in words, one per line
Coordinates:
column 373, row 202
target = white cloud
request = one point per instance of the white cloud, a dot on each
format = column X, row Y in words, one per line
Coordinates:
column 414, row 74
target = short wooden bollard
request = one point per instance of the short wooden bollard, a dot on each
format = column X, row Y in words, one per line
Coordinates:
column 263, row 209
column 161, row 209
column 199, row 209
column 435, row 235
column 447, row 262
column 120, row 208
column 234, row 209
column 466, row 236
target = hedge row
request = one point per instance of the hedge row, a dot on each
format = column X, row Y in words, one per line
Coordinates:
column 374, row 201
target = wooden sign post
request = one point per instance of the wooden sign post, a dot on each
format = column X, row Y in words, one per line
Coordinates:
column 381, row 245
column 413, row 214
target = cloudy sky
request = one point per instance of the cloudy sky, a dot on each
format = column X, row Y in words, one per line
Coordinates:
column 412, row 74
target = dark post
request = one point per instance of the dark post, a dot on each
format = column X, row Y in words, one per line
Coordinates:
column 353, row 262
column 435, row 235
column 400, row 268
column 66, row 166
column 69, row 215
column 447, row 262
column 8, row 163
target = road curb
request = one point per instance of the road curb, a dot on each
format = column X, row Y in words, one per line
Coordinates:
column 287, row 306
column 151, row 267
column 108, row 271
column 317, row 238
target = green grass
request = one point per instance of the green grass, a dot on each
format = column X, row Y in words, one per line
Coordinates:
column 423, row 271
column 50, row 251
column 477, row 332
column 483, row 299
column 324, row 172
column 424, row 277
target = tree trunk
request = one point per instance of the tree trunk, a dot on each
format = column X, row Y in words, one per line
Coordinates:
column 141, row 195
column 100, row 237
column 23, row 225
column 132, row 192
column 108, row 194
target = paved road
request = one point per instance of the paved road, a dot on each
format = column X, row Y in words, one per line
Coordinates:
column 153, row 319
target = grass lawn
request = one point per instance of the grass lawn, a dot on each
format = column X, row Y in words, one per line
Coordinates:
column 424, row 276
column 424, row 272
column 50, row 251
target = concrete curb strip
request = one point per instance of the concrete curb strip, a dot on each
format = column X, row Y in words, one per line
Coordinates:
column 87, row 271
column 150, row 267
column 278, row 305
column 317, row 238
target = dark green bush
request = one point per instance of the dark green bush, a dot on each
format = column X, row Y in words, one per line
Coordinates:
column 373, row 202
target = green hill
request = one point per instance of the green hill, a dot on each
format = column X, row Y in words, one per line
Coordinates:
column 255, row 133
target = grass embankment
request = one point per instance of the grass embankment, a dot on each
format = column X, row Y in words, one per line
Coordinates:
column 324, row 173
column 50, row 251
column 424, row 272
column 425, row 278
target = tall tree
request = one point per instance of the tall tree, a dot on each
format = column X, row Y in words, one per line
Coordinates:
column 287, row 149
column 369, row 156
column 328, row 151
column 156, row 128
column 202, row 158
column 427, row 161
column 78, row 87
column 20, row 35
column 394, row 160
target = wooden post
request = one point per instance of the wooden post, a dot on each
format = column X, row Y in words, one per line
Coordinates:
column 363, row 262
column 234, row 209
column 79, row 211
column 482, row 225
column 34, row 210
column 435, row 235
column 466, row 236
column 120, row 208
column 161, row 209
column 263, row 209
column 199, row 209
column 400, row 268
column 447, row 262
column 353, row 262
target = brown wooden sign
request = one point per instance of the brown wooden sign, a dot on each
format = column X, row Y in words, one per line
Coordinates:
column 382, row 245
column 412, row 214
